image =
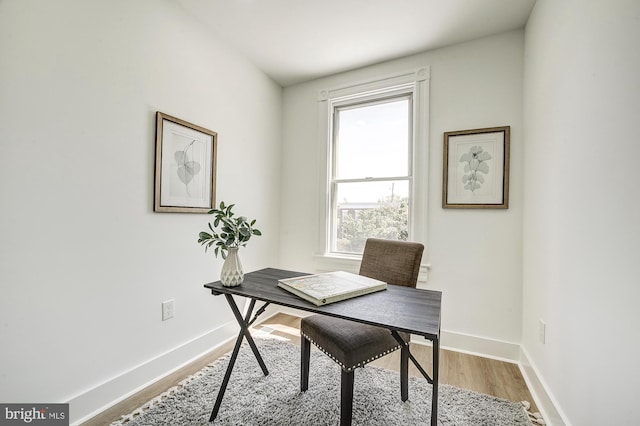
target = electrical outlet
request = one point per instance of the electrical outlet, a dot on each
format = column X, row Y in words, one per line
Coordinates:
column 542, row 330
column 168, row 309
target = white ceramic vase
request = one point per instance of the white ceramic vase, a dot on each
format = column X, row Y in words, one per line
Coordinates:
column 232, row 274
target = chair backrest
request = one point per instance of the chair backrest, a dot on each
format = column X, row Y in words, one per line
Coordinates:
column 392, row 261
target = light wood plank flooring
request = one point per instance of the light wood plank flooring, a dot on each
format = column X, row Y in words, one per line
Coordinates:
column 492, row 377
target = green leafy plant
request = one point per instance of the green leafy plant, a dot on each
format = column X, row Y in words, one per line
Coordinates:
column 228, row 231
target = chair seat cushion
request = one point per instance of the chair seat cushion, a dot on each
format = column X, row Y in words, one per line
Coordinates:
column 348, row 343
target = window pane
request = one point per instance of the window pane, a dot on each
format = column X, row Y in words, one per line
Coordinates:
column 373, row 140
column 370, row 209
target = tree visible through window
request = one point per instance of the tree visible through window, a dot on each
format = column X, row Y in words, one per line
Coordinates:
column 371, row 171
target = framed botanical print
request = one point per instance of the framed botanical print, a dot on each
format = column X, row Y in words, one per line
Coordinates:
column 476, row 169
column 185, row 172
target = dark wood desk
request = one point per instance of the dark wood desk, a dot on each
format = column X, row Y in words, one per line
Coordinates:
column 411, row 310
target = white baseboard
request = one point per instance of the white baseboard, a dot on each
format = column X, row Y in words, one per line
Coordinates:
column 481, row 346
column 88, row 404
column 545, row 401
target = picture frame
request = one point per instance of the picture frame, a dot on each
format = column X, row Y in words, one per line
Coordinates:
column 476, row 169
column 185, row 169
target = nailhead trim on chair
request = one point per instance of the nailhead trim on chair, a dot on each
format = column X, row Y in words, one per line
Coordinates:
column 360, row 364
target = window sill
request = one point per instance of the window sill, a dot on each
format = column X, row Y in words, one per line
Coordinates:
column 327, row 263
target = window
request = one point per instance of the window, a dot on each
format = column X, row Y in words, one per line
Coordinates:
column 371, row 172
column 375, row 138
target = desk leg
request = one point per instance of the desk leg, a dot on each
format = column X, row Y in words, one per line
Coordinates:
column 434, row 393
column 432, row 380
column 244, row 329
column 244, row 332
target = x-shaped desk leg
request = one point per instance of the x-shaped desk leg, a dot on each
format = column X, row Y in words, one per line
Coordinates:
column 431, row 380
column 244, row 332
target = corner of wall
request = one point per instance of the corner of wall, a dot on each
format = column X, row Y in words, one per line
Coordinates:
column 545, row 401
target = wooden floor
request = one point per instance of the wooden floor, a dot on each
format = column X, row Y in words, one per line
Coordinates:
column 492, row 377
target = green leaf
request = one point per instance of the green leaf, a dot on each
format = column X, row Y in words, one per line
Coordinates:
column 233, row 230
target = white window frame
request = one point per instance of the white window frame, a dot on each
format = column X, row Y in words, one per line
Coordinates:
column 415, row 83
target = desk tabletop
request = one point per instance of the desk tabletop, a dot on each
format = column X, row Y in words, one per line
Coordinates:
column 407, row 309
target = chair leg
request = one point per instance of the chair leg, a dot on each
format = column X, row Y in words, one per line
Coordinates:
column 305, row 354
column 346, row 398
column 404, row 373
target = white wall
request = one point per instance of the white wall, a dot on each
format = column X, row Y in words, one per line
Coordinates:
column 475, row 255
column 84, row 261
column 582, row 205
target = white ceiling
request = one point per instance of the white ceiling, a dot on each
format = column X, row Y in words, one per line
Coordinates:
column 299, row 40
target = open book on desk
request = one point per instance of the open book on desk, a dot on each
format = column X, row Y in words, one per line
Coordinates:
column 330, row 287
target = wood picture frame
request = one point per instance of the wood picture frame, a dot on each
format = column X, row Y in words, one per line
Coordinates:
column 185, row 169
column 476, row 169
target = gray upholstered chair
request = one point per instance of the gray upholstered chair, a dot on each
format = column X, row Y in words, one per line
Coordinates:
column 353, row 345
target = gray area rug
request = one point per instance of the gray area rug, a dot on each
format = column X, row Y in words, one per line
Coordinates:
column 255, row 399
